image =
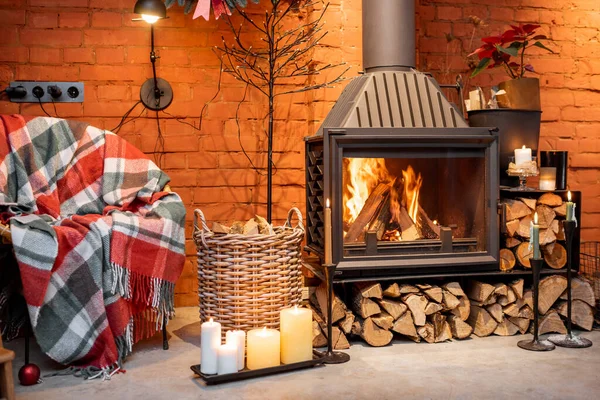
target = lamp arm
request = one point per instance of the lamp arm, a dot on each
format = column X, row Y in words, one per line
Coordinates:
column 153, row 61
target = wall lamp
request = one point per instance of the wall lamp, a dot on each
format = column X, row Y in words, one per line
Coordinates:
column 156, row 93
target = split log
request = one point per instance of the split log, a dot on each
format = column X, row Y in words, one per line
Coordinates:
column 450, row 301
column 545, row 216
column 369, row 290
column 512, row 310
column 511, row 242
column 423, row 286
column 531, row 203
column 516, row 209
column 381, row 219
column 482, row 322
column 405, row 325
column 427, row 332
column 425, row 225
column 506, row 328
column 551, row 323
column 346, row 323
column 250, row 227
column 433, row 308
column 524, row 254
column 320, row 301
column 581, row 290
column 407, row 289
column 521, row 323
column 459, row 328
column 490, row 300
column 500, row 289
column 394, row 308
column 495, row 310
column 512, row 297
column 219, row 228
column 340, row 341
column 528, row 298
column 503, row 300
column 525, row 312
column 560, row 235
column 454, row 288
column 550, row 290
column 512, row 227
column 416, row 304
column 463, row 310
column 364, row 307
column 517, row 287
column 408, row 227
column 547, row 237
column 434, row 293
column 392, row 291
column 556, row 257
column 373, row 204
column 524, row 227
column 383, row 320
column 479, row 291
column 561, row 210
column 441, row 328
column 371, row 333
column 550, row 199
column 507, row 260
column 582, row 313
column 319, row 339
column 555, row 226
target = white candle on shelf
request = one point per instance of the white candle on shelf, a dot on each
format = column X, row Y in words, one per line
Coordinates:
column 210, row 340
column 570, row 208
column 227, row 356
column 296, row 335
column 238, row 338
column 263, row 348
column 522, row 155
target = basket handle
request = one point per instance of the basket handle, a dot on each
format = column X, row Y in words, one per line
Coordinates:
column 288, row 222
column 199, row 215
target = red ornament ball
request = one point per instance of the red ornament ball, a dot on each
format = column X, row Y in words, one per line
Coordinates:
column 29, row 374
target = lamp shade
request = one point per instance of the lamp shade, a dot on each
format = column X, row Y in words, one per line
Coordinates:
column 152, row 8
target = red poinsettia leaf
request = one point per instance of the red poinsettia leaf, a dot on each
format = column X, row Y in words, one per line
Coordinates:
column 509, row 36
column 484, row 51
column 517, row 28
column 492, row 39
column 528, row 28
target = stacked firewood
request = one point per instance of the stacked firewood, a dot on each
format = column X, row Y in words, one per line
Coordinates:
column 439, row 313
column 551, row 211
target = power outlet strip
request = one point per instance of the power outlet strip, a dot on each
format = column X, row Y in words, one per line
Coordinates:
column 48, row 92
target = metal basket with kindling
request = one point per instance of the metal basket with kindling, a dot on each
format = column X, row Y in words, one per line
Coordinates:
column 589, row 267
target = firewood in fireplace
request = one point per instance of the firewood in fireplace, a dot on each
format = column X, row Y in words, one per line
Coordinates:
column 482, row 322
column 374, row 202
column 416, row 304
column 581, row 290
column 408, row 227
column 551, row 323
column 382, row 219
column 507, row 260
column 550, row 290
column 555, row 256
column 582, row 313
column 425, row 225
column 371, row 333
column 460, row 329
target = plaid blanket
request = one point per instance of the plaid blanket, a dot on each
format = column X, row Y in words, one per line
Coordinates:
column 98, row 243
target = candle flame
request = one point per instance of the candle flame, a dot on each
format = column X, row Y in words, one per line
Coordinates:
column 264, row 329
column 435, row 222
column 295, row 307
column 535, row 218
column 569, row 195
column 327, row 204
column 524, row 147
column 211, row 320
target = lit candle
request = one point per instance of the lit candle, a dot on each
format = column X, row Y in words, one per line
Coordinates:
column 535, row 236
column 328, row 256
column 570, row 208
column 210, row 340
column 296, row 335
column 547, row 178
column 238, row 338
column 227, row 356
column 263, row 348
column 522, row 155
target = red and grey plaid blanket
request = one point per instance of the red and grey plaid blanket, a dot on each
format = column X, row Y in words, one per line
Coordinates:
column 98, row 243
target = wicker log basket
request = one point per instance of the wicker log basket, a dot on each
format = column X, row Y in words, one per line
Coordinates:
column 245, row 280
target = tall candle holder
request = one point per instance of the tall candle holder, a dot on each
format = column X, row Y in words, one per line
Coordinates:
column 523, row 171
column 536, row 344
column 569, row 340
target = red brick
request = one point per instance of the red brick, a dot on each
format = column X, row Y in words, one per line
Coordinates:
column 116, row 37
column 106, row 19
column 8, row 36
column 110, row 55
column 43, row 73
column 58, row 3
column 78, row 55
column 113, row 92
column 49, row 37
column 12, row 17
column 42, row 20
column 112, row 73
column 112, row 4
column 449, row 13
column 584, row 160
column 14, row 54
column 44, row 55
column 73, row 20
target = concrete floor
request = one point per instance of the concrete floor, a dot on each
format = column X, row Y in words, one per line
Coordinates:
column 493, row 367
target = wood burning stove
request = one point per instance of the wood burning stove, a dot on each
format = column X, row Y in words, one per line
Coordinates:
column 414, row 190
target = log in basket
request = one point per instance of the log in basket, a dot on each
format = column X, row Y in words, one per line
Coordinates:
column 245, row 280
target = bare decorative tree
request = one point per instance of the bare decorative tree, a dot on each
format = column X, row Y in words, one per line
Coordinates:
column 283, row 56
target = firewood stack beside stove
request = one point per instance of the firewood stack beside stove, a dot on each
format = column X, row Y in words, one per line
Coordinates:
column 434, row 314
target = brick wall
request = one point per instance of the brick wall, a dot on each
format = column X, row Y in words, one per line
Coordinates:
column 95, row 41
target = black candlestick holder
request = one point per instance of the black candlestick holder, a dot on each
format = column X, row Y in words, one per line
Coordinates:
column 536, row 344
column 331, row 357
column 569, row 340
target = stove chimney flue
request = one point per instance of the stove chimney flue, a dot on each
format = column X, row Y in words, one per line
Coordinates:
column 388, row 35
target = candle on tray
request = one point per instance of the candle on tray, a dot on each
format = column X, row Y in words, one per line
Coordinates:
column 296, row 335
column 328, row 254
column 570, row 208
column 535, row 236
column 263, row 348
column 547, row 178
column 238, row 338
column 227, row 356
column 522, row 155
column 210, row 340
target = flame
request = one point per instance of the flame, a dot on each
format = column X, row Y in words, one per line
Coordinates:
column 569, row 196
column 412, row 186
column 364, row 175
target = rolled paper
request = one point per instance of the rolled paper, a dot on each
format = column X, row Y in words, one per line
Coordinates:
column 263, row 348
column 238, row 338
column 328, row 240
column 227, row 355
column 210, row 341
column 296, row 335
column 522, row 155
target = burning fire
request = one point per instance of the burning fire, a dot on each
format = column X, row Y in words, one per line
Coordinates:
column 364, row 175
column 412, row 186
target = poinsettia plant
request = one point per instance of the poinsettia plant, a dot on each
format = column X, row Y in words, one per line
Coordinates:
column 508, row 50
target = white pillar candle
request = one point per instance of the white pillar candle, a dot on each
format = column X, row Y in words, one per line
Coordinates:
column 296, row 335
column 210, row 340
column 227, row 355
column 570, row 208
column 522, row 155
column 263, row 348
column 238, row 338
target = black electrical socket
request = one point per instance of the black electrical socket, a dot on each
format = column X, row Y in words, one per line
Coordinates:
column 37, row 92
column 17, row 92
column 54, row 91
column 73, row 92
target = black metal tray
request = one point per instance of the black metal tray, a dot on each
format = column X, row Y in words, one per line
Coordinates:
column 256, row 373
